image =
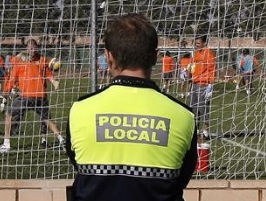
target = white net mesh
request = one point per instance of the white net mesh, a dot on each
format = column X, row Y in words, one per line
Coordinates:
column 62, row 29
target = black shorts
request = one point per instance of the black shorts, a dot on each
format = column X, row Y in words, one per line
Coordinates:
column 2, row 72
column 247, row 76
column 21, row 104
column 168, row 75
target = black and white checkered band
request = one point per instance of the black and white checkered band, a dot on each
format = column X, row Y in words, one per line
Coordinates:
column 133, row 171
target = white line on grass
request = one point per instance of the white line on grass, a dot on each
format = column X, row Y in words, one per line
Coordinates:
column 245, row 147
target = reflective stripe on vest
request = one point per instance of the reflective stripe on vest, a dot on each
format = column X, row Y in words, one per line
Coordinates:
column 134, row 171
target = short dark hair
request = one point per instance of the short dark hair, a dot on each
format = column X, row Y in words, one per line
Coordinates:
column 133, row 41
column 245, row 51
column 168, row 53
column 187, row 55
column 32, row 41
column 203, row 38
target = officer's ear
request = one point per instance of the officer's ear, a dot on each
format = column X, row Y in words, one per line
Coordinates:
column 109, row 58
column 113, row 68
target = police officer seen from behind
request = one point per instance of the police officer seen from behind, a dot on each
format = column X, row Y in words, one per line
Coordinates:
column 123, row 143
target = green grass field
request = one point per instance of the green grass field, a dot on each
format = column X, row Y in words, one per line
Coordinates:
column 237, row 145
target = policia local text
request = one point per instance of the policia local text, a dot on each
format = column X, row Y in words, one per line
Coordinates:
column 132, row 128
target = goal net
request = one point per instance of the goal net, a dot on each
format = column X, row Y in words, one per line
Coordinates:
column 62, row 28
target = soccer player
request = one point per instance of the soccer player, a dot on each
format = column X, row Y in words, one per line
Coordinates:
column 30, row 71
column 185, row 75
column 203, row 74
column 103, row 69
column 15, row 125
column 245, row 66
column 124, row 145
column 168, row 67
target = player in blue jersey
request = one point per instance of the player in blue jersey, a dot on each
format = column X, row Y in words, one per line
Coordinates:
column 245, row 66
column 103, row 69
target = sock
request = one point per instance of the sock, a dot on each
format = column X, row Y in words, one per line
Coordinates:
column 7, row 142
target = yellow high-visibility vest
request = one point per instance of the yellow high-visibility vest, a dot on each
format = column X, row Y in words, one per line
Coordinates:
column 131, row 126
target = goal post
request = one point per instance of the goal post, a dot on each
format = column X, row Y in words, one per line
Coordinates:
column 62, row 29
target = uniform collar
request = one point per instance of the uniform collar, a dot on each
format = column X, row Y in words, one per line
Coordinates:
column 134, row 82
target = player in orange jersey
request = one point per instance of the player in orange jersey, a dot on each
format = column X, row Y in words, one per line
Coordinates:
column 30, row 70
column 13, row 94
column 168, row 67
column 203, row 74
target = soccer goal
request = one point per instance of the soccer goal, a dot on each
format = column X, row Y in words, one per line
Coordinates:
column 62, row 28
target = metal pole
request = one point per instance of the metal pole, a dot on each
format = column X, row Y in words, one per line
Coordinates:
column 219, row 36
column 93, row 46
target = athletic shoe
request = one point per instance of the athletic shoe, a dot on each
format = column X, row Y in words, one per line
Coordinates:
column 4, row 148
column 59, row 145
column 237, row 87
column 62, row 142
column 182, row 95
column 44, row 144
column 248, row 92
column 188, row 94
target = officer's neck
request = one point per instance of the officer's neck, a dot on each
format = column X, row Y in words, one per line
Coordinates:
column 136, row 73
